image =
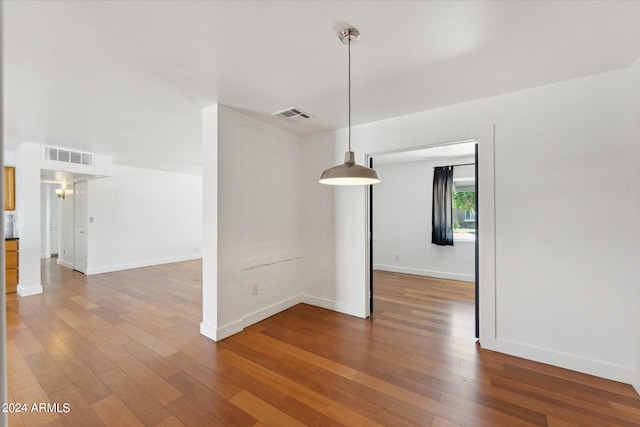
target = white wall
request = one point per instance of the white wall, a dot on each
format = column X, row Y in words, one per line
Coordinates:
column 271, row 220
column 402, row 223
column 319, row 248
column 635, row 148
column 258, row 221
column 564, row 270
column 143, row 217
column 9, row 158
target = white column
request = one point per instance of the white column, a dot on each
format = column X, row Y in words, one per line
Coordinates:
column 209, row 325
column 28, row 158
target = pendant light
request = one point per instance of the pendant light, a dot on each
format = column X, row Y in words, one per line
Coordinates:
column 349, row 173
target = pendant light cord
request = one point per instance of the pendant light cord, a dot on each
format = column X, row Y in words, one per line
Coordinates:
column 349, row 91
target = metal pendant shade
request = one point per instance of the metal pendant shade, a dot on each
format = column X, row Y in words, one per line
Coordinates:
column 349, row 173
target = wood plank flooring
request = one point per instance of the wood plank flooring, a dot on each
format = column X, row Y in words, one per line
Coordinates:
column 123, row 349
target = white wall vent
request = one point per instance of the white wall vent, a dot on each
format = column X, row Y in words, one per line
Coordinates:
column 68, row 156
column 292, row 114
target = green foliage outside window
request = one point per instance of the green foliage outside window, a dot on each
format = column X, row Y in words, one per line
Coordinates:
column 464, row 205
column 464, row 200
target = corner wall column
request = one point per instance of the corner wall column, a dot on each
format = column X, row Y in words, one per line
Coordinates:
column 209, row 324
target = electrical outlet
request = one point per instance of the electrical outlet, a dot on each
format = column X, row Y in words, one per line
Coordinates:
column 254, row 290
column 397, row 257
column 197, row 250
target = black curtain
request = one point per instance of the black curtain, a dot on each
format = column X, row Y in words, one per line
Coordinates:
column 442, row 209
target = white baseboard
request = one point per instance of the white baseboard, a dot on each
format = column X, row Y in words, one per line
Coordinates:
column 140, row 264
column 228, row 330
column 217, row 334
column 333, row 305
column 635, row 381
column 220, row 333
column 65, row 263
column 271, row 310
column 45, row 255
column 567, row 361
column 427, row 273
column 208, row 331
column 28, row 291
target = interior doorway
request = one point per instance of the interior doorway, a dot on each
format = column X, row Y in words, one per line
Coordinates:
column 49, row 221
column 65, row 224
column 80, row 226
column 400, row 217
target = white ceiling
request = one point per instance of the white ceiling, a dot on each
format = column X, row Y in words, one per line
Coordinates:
column 61, row 177
column 461, row 150
column 129, row 79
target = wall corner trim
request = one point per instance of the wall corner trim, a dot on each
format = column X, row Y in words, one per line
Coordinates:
column 24, row 291
column 65, row 263
column 340, row 307
column 635, row 381
column 222, row 332
column 208, row 331
column 271, row 310
column 231, row 328
column 236, row 326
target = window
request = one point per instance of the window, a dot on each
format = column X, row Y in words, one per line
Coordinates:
column 464, row 209
column 469, row 215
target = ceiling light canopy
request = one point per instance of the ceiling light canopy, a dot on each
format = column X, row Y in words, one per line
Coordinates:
column 349, row 173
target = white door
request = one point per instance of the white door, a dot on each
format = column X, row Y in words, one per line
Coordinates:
column 44, row 222
column 53, row 224
column 80, row 226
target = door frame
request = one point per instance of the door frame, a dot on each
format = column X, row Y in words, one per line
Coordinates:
column 370, row 219
column 370, row 228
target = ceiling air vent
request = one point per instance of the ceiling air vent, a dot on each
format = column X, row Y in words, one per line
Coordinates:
column 292, row 114
column 68, row 156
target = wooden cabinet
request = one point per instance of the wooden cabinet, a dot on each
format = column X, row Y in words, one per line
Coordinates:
column 11, row 265
column 9, row 188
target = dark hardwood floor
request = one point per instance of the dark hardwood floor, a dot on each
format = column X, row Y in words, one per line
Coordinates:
column 123, row 349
